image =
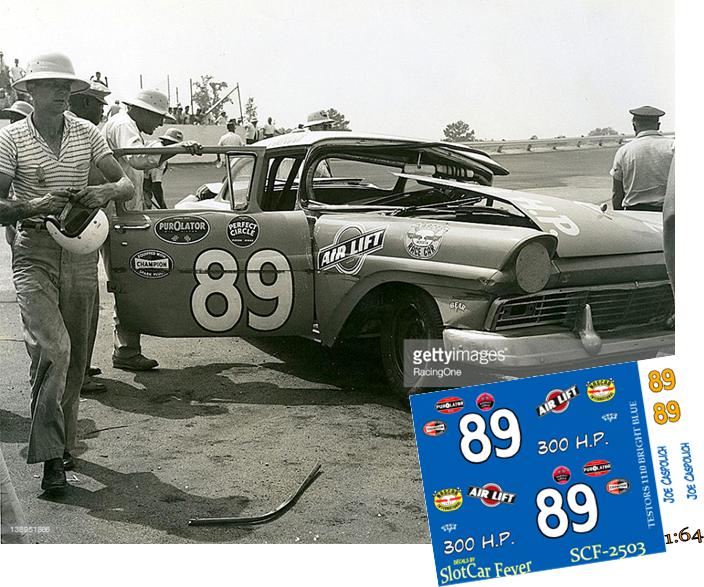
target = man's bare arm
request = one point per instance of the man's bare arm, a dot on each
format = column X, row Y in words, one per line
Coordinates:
column 618, row 194
column 118, row 189
column 13, row 210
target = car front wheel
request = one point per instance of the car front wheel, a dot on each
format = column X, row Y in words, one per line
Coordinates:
column 409, row 315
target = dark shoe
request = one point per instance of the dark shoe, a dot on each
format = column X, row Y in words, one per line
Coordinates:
column 54, row 479
column 136, row 363
column 93, row 371
column 68, row 461
column 90, row 385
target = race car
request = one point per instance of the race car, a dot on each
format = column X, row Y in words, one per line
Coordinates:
column 397, row 239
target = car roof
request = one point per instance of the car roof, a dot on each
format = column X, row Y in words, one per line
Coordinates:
column 310, row 138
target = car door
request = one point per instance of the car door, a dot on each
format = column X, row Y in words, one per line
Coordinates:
column 213, row 271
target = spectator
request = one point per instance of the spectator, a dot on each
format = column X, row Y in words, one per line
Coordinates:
column 269, row 129
column 229, row 139
column 241, row 130
column 252, row 131
column 96, row 78
column 317, row 120
column 5, row 99
column 641, row 167
column 114, row 109
column 16, row 72
column 199, row 116
column 5, row 82
column 187, row 116
column 222, row 118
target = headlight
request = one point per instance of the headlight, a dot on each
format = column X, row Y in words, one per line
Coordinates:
column 532, row 267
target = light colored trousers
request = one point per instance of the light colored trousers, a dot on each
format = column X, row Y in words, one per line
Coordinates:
column 126, row 344
column 13, row 527
column 56, row 293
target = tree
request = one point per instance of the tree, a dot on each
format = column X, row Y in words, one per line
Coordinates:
column 250, row 109
column 599, row 132
column 459, row 132
column 340, row 123
column 207, row 94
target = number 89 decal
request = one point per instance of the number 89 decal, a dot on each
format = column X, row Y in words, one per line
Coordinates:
column 268, row 276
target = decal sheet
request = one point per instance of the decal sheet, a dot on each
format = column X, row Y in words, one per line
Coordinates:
column 557, row 470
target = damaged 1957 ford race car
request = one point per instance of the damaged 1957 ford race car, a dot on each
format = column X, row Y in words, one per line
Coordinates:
column 335, row 235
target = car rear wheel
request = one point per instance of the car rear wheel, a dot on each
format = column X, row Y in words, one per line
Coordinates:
column 409, row 315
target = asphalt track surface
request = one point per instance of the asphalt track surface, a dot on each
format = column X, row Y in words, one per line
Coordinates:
column 231, row 427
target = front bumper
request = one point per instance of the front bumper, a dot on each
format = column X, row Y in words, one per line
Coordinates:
column 557, row 351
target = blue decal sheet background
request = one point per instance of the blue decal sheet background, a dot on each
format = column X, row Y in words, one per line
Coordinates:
column 498, row 507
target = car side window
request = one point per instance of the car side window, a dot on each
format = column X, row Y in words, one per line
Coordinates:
column 240, row 170
column 282, row 181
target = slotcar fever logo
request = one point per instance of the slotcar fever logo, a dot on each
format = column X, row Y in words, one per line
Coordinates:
column 349, row 248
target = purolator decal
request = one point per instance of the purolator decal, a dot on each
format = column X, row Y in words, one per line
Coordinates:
column 243, row 231
column 449, row 405
column 151, row 264
column 182, row 230
column 448, row 500
column 601, row 390
column 557, row 401
column 491, row 494
column 597, row 468
column 423, row 240
column 350, row 247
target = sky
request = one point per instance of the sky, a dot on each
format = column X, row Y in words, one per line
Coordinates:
column 509, row 68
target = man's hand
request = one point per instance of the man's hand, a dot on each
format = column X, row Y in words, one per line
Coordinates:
column 193, row 147
column 52, row 203
column 94, row 196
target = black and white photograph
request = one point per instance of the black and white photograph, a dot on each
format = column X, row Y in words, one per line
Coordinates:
column 239, row 235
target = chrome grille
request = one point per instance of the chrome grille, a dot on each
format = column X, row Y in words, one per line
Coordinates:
column 612, row 307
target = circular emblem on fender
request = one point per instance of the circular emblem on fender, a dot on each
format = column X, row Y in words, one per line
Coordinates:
column 449, row 405
column 243, row 231
column 350, row 247
column 561, row 475
column 182, row 230
column 618, row 486
column 601, row 390
column 448, row 500
column 435, row 428
column 485, row 401
column 423, row 240
column 151, row 264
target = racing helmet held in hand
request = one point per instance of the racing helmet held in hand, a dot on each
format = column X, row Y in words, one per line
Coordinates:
column 79, row 229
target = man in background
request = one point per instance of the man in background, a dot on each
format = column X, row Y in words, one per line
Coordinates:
column 16, row 72
column 641, row 166
column 145, row 113
column 89, row 105
column 229, row 139
column 269, row 130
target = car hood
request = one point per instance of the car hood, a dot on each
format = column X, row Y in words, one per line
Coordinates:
column 582, row 229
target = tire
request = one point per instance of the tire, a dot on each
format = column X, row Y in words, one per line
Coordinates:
column 410, row 315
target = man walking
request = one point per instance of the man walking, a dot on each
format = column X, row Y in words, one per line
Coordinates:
column 229, row 139
column 145, row 113
column 641, row 167
column 42, row 157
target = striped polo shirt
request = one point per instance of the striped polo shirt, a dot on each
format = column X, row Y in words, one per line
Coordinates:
column 34, row 168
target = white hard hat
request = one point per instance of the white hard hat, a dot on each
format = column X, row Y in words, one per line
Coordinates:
column 19, row 107
column 151, row 100
column 317, row 117
column 51, row 66
column 78, row 229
